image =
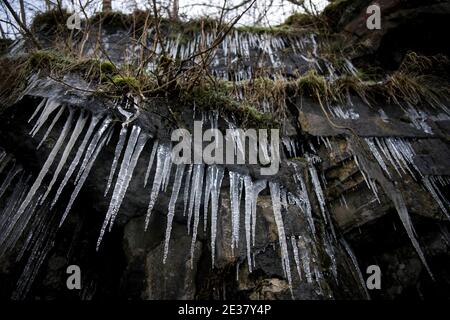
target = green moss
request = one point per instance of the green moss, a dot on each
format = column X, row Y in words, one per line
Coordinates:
column 312, row 83
column 125, row 82
column 107, row 67
column 220, row 99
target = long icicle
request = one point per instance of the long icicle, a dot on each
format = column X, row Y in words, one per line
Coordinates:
column 98, row 145
column 76, row 160
column 150, row 162
column 248, row 218
column 79, row 126
column 198, row 198
column 135, row 145
column 51, row 157
column 171, row 212
column 276, row 205
column 162, row 152
column 117, row 153
column 215, row 194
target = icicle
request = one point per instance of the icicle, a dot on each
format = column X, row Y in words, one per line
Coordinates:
column 306, row 261
column 436, row 194
column 258, row 186
column 97, row 144
column 117, row 153
column 276, row 205
column 50, row 106
column 249, row 191
column 377, row 156
column 194, row 189
column 76, row 160
column 187, row 183
column 166, row 173
column 135, row 145
column 150, row 163
column 49, row 129
column 10, row 216
column 198, row 190
column 217, row 177
column 208, row 186
column 92, row 147
column 296, row 256
column 38, row 108
column 355, row 264
column 171, row 212
column 235, row 196
column 46, row 166
column 162, row 153
column 320, row 197
column 13, row 172
column 329, row 249
column 79, row 126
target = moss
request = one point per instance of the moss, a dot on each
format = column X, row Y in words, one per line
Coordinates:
column 126, row 83
column 220, row 99
column 275, row 30
column 107, row 67
column 312, row 84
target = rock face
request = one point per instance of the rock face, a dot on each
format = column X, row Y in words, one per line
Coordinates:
column 358, row 186
column 406, row 26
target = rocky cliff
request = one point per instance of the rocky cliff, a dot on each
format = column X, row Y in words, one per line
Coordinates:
column 87, row 179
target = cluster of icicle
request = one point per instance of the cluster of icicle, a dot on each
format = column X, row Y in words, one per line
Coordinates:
column 398, row 153
column 35, row 223
column 242, row 55
column 82, row 138
column 236, row 45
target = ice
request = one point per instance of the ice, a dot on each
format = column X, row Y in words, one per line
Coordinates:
column 150, row 163
column 258, row 186
column 52, row 124
column 187, row 184
column 296, row 256
column 276, row 206
column 79, row 126
column 329, row 249
column 302, row 196
column 320, row 197
column 118, row 151
column 10, row 215
column 92, row 147
column 77, row 158
column 49, row 107
column 248, row 218
column 377, row 155
column 135, row 145
column 97, row 145
column 51, row 157
column 38, row 108
column 12, row 173
column 171, row 211
column 356, row 266
column 162, row 153
column 217, row 177
column 306, row 260
column 197, row 190
column 432, row 188
column 235, row 196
